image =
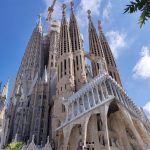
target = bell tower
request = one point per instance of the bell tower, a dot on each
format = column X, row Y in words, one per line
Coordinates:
column 65, row 80
column 78, row 51
column 110, row 60
column 96, row 51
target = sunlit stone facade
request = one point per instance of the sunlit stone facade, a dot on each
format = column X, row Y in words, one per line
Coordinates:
column 59, row 102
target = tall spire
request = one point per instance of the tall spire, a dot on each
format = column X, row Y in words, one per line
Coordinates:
column 39, row 23
column 95, row 47
column 78, row 50
column 65, row 84
column 110, row 60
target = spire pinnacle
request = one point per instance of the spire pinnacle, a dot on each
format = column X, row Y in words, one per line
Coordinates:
column 64, row 9
column 39, row 19
column 89, row 14
column 72, row 5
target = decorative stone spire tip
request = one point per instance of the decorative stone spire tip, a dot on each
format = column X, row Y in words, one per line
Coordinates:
column 72, row 5
column 64, row 9
column 89, row 14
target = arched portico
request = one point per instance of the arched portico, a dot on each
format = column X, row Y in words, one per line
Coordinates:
column 122, row 134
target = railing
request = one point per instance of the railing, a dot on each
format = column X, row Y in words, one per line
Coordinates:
column 95, row 93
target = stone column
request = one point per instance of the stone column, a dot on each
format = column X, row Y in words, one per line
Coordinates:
column 115, row 92
column 93, row 97
column 103, row 97
column 111, row 88
column 98, row 94
column 89, row 105
column 106, row 89
column 104, row 112
column 83, row 102
column 78, row 106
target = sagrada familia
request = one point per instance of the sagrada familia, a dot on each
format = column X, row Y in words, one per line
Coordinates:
column 60, row 102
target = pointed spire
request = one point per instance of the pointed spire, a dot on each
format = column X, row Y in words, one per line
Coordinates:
column 95, row 46
column 72, row 6
column 74, row 31
column 64, row 13
column 39, row 23
column 5, row 90
column 110, row 60
column 39, row 19
column 101, row 34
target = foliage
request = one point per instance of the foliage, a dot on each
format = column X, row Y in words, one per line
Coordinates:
column 15, row 146
column 140, row 5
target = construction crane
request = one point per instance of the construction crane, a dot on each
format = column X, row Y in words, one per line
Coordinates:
column 50, row 11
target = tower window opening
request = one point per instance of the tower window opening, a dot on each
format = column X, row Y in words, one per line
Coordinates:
column 77, row 62
column 61, row 69
column 51, row 64
column 81, row 61
column 65, row 67
column 58, row 73
column 69, row 64
column 74, row 66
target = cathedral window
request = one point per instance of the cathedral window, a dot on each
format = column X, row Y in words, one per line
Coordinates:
column 58, row 72
column 81, row 61
column 74, row 67
column 65, row 72
column 52, row 57
column 61, row 70
column 69, row 64
column 63, row 108
column 77, row 62
column 44, row 96
column 115, row 76
column 51, row 64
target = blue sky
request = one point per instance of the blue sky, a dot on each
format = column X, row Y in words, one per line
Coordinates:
column 129, row 43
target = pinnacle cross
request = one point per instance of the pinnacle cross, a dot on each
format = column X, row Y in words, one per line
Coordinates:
column 72, row 5
column 89, row 14
column 39, row 18
column 64, row 9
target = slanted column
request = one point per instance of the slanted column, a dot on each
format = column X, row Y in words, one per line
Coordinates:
column 66, row 113
column 106, row 88
column 87, row 94
column 78, row 106
column 111, row 88
column 124, row 99
column 83, row 102
column 114, row 87
column 72, row 109
column 120, row 96
column 98, row 94
column 93, row 97
column 103, row 97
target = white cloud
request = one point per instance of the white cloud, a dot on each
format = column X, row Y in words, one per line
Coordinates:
column 84, row 6
column 107, row 11
column 142, row 67
column 93, row 5
column 147, row 109
column 117, row 42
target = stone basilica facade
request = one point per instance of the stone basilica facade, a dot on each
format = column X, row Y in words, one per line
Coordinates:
column 59, row 102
